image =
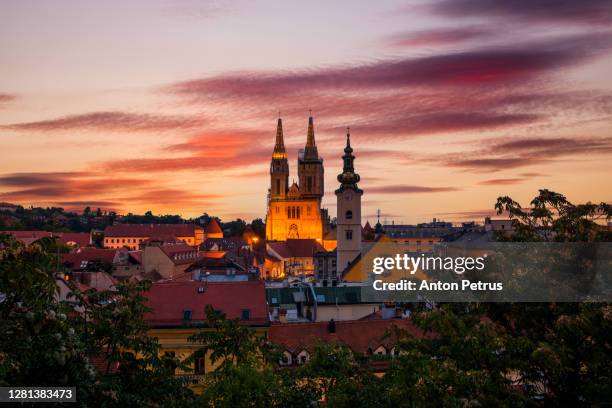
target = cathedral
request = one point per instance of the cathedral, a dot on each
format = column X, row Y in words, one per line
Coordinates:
column 294, row 211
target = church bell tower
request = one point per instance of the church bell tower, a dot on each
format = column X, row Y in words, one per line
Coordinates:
column 348, row 198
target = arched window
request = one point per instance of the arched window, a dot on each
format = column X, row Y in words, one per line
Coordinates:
column 349, row 215
column 292, row 212
column 298, row 212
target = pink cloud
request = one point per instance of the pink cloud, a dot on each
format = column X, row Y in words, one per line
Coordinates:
column 114, row 121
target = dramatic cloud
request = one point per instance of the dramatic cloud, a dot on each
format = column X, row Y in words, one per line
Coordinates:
column 437, row 36
column 113, row 121
column 557, row 11
column 79, row 205
column 444, row 122
column 502, row 182
column 172, row 196
column 477, row 215
column 502, row 154
column 5, row 98
column 476, row 67
column 407, row 189
column 95, row 190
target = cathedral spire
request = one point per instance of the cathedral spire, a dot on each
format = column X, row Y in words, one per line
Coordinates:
column 310, row 152
column 279, row 145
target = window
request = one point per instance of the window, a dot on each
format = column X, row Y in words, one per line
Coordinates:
column 303, row 357
column 187, row 314
column 278, row 186
column 199, row 366
column 292, row 212
column 349, row 215
column 308, row 210
column 349, row 235
column 246, row 314
column 297, row 211
column 286, row 359
column 309, row 182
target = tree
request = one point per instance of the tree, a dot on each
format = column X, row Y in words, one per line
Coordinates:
column 244, row 376
column 259, row 227
column 39, row 344
column 553, row 218
column 48, row 342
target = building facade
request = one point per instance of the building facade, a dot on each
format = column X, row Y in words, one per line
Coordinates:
column 131, row 236
column 294, row 211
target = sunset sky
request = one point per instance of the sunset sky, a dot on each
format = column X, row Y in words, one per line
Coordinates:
column 171, row 105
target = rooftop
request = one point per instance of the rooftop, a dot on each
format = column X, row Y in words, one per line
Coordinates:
column 361, row 336
column 169, row 301
column 151, row 230
column 296, row 248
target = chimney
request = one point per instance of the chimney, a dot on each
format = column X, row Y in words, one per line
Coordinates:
column 331, row 326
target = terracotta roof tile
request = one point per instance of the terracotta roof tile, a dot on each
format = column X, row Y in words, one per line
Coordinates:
column 81, row 239
column 213, row 227
column 151, row 230
column 296, row 248
column 77, row 260
column 358, row 335
column 168, row 301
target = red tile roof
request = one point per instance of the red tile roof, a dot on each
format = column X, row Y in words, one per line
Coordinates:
column 296, row 248
column 81, row 239
column 151, row 230
column 100, row 363
column 179, row 254
column 358, row 335
column 168, row 300
column 75, row 260
column 213, row 227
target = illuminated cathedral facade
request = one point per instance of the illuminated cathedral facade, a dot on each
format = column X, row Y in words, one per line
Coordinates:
column 294, row 210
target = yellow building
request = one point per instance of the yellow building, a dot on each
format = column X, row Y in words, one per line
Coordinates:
column 132, row 235
column 177, row 312
column 294, row 211
column 358, row 271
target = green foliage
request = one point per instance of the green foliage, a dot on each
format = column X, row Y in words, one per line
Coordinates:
column 46, row 342
column 552, row 217
column 489, row 354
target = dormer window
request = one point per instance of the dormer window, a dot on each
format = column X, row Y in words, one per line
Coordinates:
column 286, row 359
column 303, row 357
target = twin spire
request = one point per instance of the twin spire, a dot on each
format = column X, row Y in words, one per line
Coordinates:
column 310, row 152
column 279, row 144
